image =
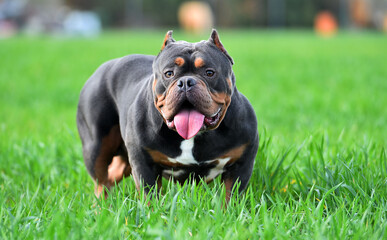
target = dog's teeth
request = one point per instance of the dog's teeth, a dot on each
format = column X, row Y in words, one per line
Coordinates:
column 216, row 112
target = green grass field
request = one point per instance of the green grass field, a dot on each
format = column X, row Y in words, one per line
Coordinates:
column 320, row 173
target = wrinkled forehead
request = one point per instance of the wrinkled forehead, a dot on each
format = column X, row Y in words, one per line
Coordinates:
column 179, row 48
column 191, row 51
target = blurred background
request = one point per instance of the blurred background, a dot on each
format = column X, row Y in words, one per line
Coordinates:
column 89, row 17
column 314, row 71
column 305, row 65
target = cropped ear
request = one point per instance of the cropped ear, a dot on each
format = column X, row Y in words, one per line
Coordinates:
column 168, row 39
column 215, row 40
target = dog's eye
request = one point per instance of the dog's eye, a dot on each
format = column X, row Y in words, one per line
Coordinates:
column 210, row 73
column 169, row 74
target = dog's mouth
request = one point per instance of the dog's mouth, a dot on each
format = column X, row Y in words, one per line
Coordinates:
column 188, row 121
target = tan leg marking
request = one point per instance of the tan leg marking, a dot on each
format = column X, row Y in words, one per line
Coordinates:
column 109, row 145
column 228, row 183
column 118, row 169
column 235, row 153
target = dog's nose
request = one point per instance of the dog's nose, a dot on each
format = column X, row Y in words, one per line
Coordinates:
column 186, row 84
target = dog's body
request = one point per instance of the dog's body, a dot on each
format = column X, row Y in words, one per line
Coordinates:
column 175, row 115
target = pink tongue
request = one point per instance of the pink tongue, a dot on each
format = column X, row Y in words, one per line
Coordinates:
column 188, row 123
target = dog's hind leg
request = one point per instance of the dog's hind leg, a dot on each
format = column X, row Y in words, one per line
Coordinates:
column 104, row 160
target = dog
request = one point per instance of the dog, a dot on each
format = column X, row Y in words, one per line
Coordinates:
column 176, row 115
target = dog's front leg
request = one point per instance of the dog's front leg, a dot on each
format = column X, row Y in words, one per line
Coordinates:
column 145, row 172
column 239, row 172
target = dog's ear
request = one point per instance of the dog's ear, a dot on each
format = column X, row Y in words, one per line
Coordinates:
column 215, row 40
column 168, row 39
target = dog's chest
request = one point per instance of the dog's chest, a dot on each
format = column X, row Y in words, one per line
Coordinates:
column 186, row 161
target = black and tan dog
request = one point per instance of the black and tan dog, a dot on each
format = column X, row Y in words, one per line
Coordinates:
column 176, row 115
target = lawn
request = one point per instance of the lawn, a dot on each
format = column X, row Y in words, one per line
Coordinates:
column 320, row 172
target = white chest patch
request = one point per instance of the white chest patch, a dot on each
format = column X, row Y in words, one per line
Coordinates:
column 176, row 174
column 218, row 169
column 186, row 156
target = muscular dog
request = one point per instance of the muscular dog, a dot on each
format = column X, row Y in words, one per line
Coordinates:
column 178, row 115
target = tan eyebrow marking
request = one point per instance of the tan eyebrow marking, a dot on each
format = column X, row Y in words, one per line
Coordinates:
column 199, row 62
column 179, row 61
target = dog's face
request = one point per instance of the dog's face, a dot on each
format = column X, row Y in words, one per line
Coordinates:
column 193, row 84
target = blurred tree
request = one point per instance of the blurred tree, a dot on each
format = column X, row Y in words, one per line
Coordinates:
column 162, row 12
column 296, row 8
column 227, row 13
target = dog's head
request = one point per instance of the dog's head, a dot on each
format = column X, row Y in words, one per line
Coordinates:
column 193, row 84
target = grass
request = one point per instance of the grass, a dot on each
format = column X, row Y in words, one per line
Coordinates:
column 320, row 172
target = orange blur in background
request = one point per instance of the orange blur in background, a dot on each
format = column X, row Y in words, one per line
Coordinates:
column 325, row 24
